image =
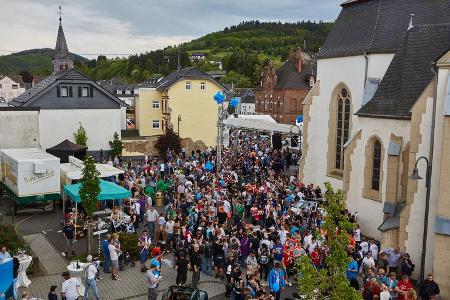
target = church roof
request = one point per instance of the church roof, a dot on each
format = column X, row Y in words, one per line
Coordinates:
column 409, row 72
column 377, row 26
column 66, row 76
column 61, row 49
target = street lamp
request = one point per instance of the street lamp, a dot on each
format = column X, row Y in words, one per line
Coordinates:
column 415, row 176
column 179, row 120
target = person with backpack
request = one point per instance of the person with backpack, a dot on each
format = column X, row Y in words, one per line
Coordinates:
column 264, row 260
column 276, row 280
column 207, row 257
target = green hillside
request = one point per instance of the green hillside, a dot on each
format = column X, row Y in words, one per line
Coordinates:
column 241, row 49
column 35, row 61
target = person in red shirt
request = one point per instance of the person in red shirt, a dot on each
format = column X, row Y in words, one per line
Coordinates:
column 402, row 287
column 315, row 257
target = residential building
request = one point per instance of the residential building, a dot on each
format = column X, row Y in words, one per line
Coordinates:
column 68, row 98
column 198, row 56
column 283, row 91
column 382, row 100
column 11, row 86
column 182, row 100
column 247, row 100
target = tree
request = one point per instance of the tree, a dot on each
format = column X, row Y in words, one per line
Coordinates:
column 168, row 141
column 89, row 191
column 238, row 79
column 330, row 282
column 81, row 136
column 116, row 146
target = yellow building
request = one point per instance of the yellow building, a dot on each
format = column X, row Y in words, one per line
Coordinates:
column 183, row 100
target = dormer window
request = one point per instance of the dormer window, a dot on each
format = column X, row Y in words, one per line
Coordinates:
column 64, row 91
column 83, row 91
column 61, row 67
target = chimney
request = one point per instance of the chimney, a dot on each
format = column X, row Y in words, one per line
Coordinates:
column 298, row 57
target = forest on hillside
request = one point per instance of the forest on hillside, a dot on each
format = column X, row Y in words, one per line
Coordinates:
column 242, row 50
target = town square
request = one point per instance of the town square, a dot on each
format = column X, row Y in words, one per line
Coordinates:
column 240, row 150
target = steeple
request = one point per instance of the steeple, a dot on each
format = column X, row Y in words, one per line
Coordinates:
column 61, row 58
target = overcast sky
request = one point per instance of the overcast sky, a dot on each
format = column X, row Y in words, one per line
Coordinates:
column 136, row 26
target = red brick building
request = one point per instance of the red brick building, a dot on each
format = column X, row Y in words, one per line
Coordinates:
column 282, row 92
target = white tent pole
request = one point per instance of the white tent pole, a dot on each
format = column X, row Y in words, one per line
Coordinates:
column 76, row 215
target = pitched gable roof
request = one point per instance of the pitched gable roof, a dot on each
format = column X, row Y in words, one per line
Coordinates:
column 187, row 73
column 409, row 72
column 288, row 76
column 377, row 26
column 66, row 76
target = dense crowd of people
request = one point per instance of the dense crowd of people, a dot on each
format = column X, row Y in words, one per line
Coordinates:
column 245, row 221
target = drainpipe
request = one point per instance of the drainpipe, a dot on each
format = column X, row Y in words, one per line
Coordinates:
column 429, row 172
column 366, row 67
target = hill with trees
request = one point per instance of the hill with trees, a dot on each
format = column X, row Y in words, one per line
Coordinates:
column 241, row 50
column 35, row 61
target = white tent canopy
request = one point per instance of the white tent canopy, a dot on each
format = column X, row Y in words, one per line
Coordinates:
column 73, row 169
column 262, row 124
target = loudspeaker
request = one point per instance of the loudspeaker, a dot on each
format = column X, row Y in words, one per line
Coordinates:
column 276, row 141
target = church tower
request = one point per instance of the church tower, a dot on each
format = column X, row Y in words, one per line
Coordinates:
column 61, row 58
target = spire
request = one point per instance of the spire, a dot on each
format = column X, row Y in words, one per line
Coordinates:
column 61, row 57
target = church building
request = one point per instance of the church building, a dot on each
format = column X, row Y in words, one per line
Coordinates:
column 382, row 102
column 67, row 99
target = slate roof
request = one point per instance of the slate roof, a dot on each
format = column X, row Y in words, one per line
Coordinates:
column 70, row 75
column 61, row 49
column 289, row 78
column 246, row 95
column 377, row 26
column 409, row 72
column 187, row 73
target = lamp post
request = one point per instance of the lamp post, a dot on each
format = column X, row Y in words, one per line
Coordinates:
column 179, row 120
column 415, row 176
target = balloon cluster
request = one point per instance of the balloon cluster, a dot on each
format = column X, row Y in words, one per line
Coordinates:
column 235, row 102
column 219, row 97
column 299, row 118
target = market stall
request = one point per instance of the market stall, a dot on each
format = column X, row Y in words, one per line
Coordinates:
column 65, row 149
column 108, row 191
column 29, row 175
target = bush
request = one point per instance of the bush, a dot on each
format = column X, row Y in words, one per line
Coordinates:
column 10, row 238
column 168, row 141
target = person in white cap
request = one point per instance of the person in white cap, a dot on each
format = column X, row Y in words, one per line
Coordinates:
column 91, row 272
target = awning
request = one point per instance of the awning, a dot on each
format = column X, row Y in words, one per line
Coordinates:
column 73, row 170
column 260, row 125
column 108, row 191
column 29, row 199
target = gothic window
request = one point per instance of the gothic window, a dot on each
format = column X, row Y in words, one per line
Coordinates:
column 343, row 127
column 376, row 165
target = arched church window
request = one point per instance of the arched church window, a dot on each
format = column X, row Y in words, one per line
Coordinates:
column 343, row 126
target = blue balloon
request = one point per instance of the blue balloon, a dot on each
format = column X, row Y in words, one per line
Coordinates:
column 299, row 118
column 235, row 102
column 209, row 166
column 219, row 97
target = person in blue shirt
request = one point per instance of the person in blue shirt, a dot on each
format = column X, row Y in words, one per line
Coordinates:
column 106, row 257
column 277, row 251
column 276, row 280
column 352, row 272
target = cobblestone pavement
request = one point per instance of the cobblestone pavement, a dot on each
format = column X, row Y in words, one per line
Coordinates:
column 130, row 286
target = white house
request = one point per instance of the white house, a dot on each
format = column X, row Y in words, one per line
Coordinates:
column 370, row 116
column 68, row 98
column 11, row 87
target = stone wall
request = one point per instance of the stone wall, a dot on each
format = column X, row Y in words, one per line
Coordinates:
column 146, row 146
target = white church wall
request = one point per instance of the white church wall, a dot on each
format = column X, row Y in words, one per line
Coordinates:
column 57, row 125
column 370, row 212
column 331, row 72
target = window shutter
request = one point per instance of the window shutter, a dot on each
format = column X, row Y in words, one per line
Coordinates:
column 70, row 92
column 91, row 91
column 58, row 91
column 79, row 92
